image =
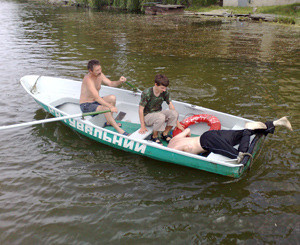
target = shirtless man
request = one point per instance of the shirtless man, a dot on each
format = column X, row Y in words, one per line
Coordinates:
column 90, row 100
column 222, row 141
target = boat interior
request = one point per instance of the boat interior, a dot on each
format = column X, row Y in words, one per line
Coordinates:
column 128, row 116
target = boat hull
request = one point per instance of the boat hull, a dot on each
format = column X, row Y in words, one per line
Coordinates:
column 150, row 149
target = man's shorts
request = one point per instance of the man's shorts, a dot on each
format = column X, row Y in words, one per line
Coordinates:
column 89, row 107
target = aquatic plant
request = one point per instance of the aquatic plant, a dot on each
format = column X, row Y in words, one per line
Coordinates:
column 286, row 20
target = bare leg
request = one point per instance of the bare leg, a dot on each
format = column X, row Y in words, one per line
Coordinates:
column 155, row 138
column 155, row 134
column 111, row 99
column 112, row 122
column 255, row 125
column 283, row 122
column 167, row 130
column 260, row 125
column 171, row 117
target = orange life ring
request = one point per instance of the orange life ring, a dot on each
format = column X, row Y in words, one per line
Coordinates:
column 212, row 121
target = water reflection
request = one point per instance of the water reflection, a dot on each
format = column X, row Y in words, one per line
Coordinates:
column 60, row 187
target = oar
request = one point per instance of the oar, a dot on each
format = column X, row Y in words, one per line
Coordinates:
column 134, row 87
column 52, row 119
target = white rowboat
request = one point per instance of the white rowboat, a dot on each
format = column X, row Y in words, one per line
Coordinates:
column 60, row 97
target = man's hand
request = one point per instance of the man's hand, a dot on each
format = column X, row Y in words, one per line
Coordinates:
column 189, row 132
column 143, row 130
column 113, row 109
column 179, row 125
column 122, row 79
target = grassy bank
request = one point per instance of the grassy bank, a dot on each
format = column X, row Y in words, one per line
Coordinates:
column 289, row 14
column 292, row 10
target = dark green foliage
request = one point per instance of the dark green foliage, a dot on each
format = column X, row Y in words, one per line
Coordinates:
column 171, row 2
column 99, row 3
column 116, row 3
column 123, row 4
column 203, row 2
column 83, row 2
column 133, row 5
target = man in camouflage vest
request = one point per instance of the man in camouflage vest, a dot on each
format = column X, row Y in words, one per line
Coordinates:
column 151, row 113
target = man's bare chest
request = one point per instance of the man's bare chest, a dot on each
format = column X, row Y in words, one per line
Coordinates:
column 97, row 84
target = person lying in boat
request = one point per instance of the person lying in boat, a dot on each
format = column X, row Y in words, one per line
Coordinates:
column 90, row 100
column 151, row 113
column 222, row 141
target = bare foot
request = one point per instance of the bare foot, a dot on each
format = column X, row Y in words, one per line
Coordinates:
column 108, row 124
column 283, row 122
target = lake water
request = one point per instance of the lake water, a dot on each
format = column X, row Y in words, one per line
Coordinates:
column 57, row 187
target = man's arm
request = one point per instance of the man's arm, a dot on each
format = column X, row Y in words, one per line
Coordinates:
column 171, row 106
column 95, row 93
column 185, row 148
column 142, row 120
column 185, row 133
column 110, row 83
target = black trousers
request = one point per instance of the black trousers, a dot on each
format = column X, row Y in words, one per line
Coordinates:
column 223, row 141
